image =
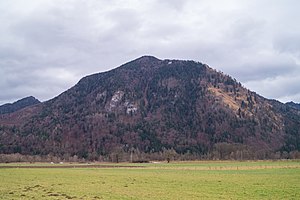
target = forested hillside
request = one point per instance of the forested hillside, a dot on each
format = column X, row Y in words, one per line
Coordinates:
column 153, row 109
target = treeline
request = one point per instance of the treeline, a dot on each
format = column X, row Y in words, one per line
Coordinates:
column 221, row 151
column 17, row 157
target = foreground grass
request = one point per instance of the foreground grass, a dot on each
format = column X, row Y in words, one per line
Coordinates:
column 191, row 180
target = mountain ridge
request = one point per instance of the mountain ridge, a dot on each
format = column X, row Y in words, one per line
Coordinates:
column 294, row 105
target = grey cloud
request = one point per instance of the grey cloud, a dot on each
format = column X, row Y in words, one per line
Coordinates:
column 281, row 87
column 258, row 68
column 175, row 4
column 290, row 45
column 46, row 47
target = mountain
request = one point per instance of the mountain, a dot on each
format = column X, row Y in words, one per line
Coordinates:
column 293, row 105
column 153, row 107
column 18, row 105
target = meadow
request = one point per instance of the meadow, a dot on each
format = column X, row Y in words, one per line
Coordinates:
column 178, row 180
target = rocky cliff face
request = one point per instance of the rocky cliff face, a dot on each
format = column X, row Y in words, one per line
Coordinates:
column 149, row 105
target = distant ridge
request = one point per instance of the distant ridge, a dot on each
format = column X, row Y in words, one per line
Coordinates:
column 18, row 105
column 293, row 105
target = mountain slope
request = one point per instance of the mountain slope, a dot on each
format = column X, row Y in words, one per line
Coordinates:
column 150, row 105
column 18, row 105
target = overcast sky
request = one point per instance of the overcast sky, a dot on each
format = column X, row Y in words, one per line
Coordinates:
column 46, row 46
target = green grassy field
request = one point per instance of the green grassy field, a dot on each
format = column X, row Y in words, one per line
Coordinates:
column 183, row 180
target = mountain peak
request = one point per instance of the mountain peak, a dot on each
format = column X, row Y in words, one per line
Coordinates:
column 147, row 58
column 145, row 61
